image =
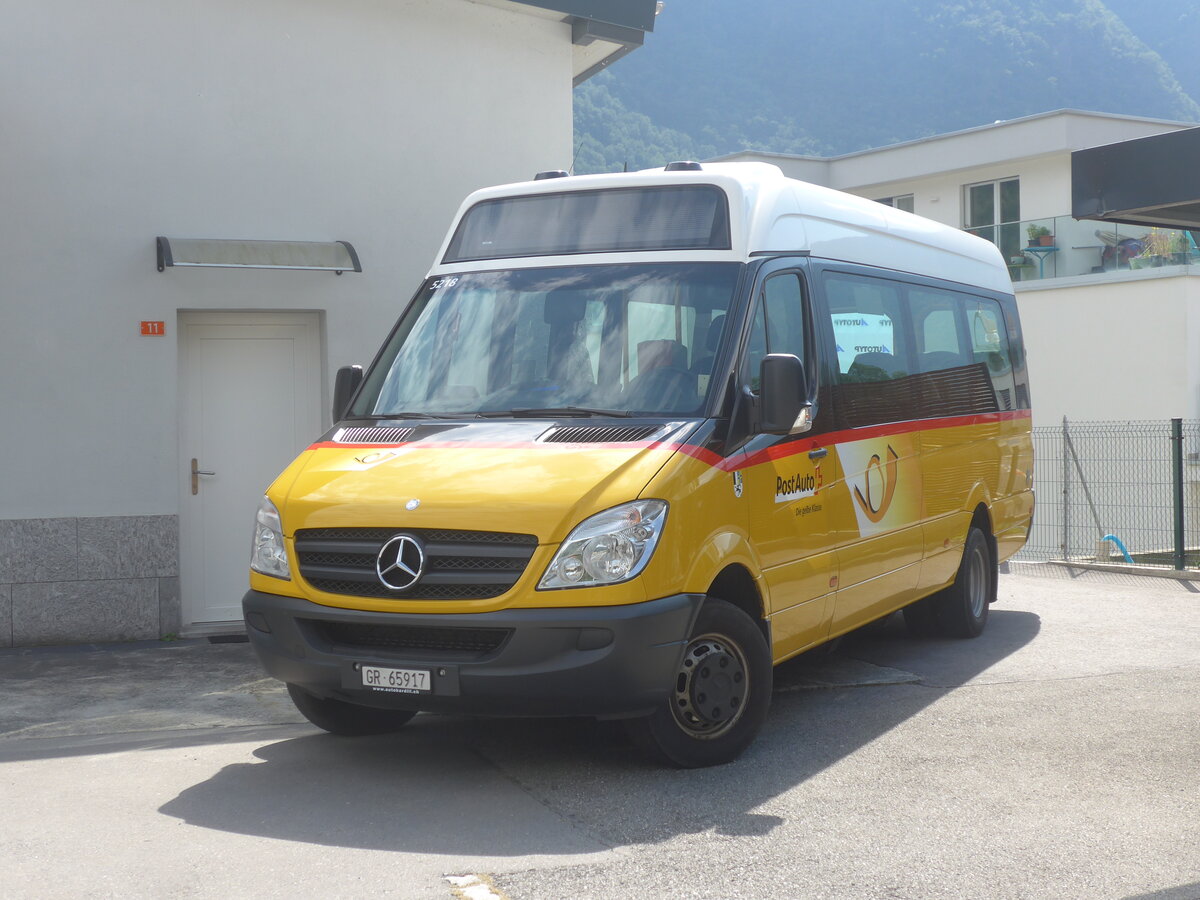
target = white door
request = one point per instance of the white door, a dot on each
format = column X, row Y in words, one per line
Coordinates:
column 250, row 400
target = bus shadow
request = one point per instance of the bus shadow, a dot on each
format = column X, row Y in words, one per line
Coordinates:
column 509, row 787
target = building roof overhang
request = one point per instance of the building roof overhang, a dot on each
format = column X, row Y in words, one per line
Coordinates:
column 1148, row 181
column 601, row 32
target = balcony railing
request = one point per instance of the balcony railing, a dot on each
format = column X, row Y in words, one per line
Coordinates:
column 1073, row 247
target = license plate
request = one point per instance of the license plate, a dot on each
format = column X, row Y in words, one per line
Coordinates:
column 397, row 681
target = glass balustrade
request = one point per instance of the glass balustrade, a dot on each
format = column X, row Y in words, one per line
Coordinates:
column 1062, row 247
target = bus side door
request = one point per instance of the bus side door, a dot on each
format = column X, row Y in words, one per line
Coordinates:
column 786, row 477
column 878, row 514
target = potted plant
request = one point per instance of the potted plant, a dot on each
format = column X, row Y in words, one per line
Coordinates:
column 1039, row 235
column 1179, row 248
column 1157, row 250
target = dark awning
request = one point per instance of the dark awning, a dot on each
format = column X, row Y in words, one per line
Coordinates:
column 1148, row 181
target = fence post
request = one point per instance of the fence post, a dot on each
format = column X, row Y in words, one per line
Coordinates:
column 1066, row 494
column 1177, row 488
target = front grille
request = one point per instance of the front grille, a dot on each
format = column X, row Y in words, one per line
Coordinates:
column 412, row 639
column 426, row 534
column 459, row 565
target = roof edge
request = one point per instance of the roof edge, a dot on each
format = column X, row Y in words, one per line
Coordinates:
column 1000, row 123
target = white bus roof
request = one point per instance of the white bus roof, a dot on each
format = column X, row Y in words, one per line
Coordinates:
column 772, row 214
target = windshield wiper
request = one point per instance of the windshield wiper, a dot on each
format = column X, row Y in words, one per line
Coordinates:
column 411, row 415
column 522, row 412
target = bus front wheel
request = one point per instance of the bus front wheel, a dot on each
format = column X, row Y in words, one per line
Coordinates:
column 720, row 695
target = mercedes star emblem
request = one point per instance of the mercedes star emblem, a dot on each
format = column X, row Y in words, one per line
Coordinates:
column 400, row 563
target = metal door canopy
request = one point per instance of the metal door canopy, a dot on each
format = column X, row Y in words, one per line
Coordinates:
column 323, row 256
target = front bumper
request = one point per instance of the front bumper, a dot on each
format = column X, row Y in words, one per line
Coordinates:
column 593, row 661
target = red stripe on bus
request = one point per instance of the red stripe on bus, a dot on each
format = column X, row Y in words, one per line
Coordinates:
column 491, row 445
column 846, row 436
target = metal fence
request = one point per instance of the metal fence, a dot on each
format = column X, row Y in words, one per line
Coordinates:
column 1117, row 493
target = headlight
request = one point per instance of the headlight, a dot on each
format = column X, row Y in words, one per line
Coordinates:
column 608, row 548
column 268, row 554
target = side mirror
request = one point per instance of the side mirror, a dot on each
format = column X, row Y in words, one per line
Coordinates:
column 783, row 398
column 347, row 382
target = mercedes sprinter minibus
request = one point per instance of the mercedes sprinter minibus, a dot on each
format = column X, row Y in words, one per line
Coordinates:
column 638, row 438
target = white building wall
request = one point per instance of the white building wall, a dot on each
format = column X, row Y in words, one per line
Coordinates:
column 1113, row 350
column 1045, row 185
column 1045, row 188
column 1035, row 149
column 354, row 120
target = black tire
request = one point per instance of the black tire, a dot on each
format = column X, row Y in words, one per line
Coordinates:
column 962, row 608
column 347, row 719
column 721, row 693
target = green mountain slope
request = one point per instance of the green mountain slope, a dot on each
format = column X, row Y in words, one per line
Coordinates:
column 1172, row 29
column 722, row 75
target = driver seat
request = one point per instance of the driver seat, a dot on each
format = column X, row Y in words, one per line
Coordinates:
column 660, row 354
column 663, row 381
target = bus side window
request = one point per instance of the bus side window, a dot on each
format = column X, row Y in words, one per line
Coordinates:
column 783, row 300
column 936, row 325
column 756, row 349
column 870, row 344
column 778, row 325
column 989, row 345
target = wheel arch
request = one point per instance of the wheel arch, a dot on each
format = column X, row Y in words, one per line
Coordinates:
column 736, row 586
column 981, row 518
column 979, row 506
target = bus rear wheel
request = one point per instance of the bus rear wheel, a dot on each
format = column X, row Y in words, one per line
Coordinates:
column 720, row 695
column 960, row 610
column 347, row 719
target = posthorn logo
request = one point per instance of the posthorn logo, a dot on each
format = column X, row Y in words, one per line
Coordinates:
column 400, row 563
column 875, row 504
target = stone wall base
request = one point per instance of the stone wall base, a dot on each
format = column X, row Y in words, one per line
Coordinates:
column 87, row 580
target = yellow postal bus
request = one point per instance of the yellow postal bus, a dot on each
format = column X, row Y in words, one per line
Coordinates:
column 636, row 439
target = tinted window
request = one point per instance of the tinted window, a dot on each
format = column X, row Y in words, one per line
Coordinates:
column 778, row 324
column 685, row 217
column 938, row 328
column 989, row 345
column 914, row 352
column 866, row 314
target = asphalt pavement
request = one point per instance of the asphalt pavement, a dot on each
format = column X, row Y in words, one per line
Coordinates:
column 1056, row 756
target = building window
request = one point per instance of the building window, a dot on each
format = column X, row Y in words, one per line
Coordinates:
column 992, row 210
column 904, row 202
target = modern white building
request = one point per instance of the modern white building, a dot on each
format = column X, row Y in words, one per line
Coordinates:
column 1111, row 312
column 145, row 408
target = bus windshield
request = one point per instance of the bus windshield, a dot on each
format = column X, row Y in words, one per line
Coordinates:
column 582, row 340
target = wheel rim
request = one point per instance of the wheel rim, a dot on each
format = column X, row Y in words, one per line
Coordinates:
column 711, row 687
column 977, row 583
